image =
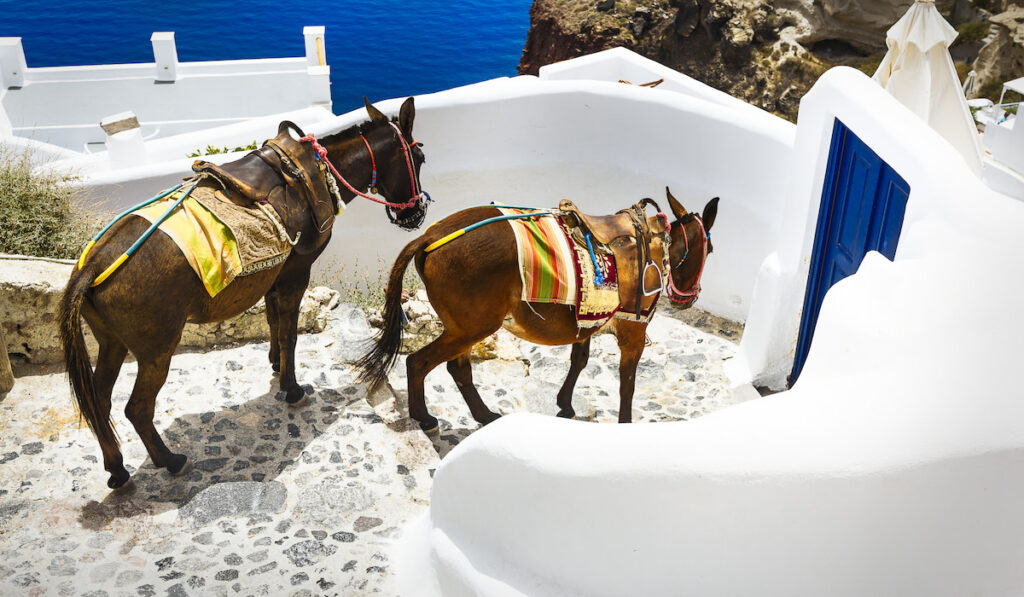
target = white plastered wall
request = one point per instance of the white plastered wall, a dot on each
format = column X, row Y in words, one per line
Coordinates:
column 605, row 146
column 893, row 467
column 916, row 152
column 531, row 141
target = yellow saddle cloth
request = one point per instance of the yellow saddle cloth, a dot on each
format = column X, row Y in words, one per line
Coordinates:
column 220, row 240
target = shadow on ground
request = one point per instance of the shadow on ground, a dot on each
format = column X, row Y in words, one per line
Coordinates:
column 252, row 442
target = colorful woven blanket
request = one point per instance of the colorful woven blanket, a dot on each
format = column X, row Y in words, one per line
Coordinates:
column 220, row 240
column 554, row 269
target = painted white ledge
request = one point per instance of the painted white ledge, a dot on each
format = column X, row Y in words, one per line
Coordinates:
column 893, row 467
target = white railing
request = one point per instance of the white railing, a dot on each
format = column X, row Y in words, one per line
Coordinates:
column 63, row 106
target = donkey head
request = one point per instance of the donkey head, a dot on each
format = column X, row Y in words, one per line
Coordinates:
column 690, row 244
column 399, row 164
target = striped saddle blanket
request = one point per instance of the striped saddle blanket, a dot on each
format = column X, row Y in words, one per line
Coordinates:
column 220, row 240
column 554, row 269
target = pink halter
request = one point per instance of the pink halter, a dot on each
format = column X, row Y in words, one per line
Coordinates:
column 689, row 296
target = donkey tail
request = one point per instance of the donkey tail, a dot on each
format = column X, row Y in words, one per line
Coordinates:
column 76, row 357
column 376, row 363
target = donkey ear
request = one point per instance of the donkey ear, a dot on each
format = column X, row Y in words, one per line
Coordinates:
column 710, row 211
column 677, row 209
column 374, row 113
column 405, row 117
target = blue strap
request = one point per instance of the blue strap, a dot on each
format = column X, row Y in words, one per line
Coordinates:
column 152, row 228
column 598, row 275
column 130, row 210
column 501, row 218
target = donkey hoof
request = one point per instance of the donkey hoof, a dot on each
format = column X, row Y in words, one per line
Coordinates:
column 118, row 479
column 179, row 464
column 276, row 367
column 302, row 400
column 297, row 396
column 567, row 413
column 429, row 425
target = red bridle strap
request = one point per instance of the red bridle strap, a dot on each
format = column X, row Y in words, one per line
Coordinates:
column 689, row 296
column 373, row 162
column 322, row 152
column 408, row 160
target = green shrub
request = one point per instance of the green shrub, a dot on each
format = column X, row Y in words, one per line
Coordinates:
column 971, row 32
column 211, row 150
column 41, row 213
column 362, row 286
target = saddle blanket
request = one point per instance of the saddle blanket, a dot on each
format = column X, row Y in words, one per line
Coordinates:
column 554, row 269
column 220, row 240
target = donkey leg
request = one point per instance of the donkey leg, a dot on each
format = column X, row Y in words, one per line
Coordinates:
column 578, row 360
column 289, row 299
column 630, row 337
column 461, row 370
column 273, row 319
column 108, row 364
column 152, row 374
column 289, row 288
column 444, row 348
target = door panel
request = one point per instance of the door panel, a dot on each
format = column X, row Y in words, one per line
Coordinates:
column 862, row 205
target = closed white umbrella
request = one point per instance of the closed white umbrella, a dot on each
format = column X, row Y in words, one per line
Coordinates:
column 918, row 71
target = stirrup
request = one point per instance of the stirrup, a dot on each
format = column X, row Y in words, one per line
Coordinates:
column 661, row 280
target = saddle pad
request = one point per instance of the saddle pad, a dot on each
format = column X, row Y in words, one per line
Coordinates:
column 220, row 240
column 554, row 269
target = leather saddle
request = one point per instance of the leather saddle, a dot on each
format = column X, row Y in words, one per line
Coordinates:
column 626, row 235
column 604, row 229
column 286, row 174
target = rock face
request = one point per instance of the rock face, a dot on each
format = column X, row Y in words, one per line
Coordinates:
column 30, row 291
column 768, row 53
column 1002, row 59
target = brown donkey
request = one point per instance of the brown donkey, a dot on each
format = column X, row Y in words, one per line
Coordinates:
column 142, row 307
column 474, row 285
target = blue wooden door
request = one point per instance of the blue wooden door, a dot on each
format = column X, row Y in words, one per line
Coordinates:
column 862, row 205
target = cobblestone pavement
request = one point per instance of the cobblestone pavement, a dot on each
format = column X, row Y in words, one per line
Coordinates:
column 283, row 500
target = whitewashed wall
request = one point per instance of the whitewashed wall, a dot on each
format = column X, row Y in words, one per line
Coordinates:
column 929, row 165
column 605, row 146
column 891, row 468
column 112, row 188
column 531, row 141
column 63, row 106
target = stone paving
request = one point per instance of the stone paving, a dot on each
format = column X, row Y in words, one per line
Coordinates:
column 283, row 500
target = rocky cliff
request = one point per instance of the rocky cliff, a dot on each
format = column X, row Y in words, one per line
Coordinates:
column 767, row 52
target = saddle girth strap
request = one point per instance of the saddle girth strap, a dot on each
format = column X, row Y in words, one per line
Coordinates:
column 642, row 240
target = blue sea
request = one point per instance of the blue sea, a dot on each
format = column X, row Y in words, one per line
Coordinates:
column 377, row 48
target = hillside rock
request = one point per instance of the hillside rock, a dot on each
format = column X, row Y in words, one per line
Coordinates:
column 861, row 24
column 1002, row 58
column 767, row 53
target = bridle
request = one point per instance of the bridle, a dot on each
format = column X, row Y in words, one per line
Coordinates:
column 689, row 296
column 418, row 195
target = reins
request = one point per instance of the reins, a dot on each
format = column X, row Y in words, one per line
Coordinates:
column 417, row 194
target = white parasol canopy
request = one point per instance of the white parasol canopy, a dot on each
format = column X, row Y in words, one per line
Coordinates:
column 918, row 71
